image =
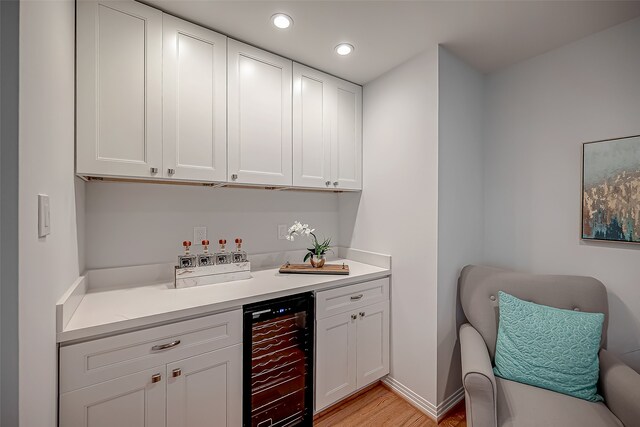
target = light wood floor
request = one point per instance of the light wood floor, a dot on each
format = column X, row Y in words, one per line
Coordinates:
column 379, row 406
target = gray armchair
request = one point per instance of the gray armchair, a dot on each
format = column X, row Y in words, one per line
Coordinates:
column 492, row 401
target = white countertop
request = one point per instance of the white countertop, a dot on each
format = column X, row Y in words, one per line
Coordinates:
column 108, row 311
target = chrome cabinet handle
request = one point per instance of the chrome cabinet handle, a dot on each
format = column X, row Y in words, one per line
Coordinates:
column 165, row 346
column 171, row 171
column 362, row 313
column 356, row 297
column 335, row 183
column 328, row 183
column 176, row 372
column 354, row 316
column 156, row 378
column 154, row 170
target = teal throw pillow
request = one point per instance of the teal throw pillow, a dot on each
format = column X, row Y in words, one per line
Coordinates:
column 549, row 347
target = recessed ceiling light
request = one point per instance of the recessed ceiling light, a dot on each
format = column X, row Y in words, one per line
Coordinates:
column 344, row 49
column 281, row 20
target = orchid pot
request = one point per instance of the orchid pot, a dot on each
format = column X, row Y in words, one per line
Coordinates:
column 316, row 254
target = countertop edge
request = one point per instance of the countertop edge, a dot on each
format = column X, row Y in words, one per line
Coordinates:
column 129, row 325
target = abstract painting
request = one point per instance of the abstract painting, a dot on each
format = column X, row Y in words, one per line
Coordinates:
column 611, row 190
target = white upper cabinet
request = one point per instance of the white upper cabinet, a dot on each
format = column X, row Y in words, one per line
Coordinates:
column 259, row 116
column 327, row 131
column 346, row 139
column 311, row 127
column 194, row 102
column 119, row 89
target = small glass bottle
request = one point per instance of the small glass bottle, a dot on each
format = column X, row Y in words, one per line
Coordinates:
column 223, row 257
column 239, row 255
column 205, row 259
column 187, row 260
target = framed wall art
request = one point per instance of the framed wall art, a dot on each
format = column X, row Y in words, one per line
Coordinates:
column 611, row 190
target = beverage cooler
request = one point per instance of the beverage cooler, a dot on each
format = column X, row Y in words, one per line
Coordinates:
column 278, row 362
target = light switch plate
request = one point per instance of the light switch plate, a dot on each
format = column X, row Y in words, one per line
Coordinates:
column 199, row 234
column 44, row 218
column 283, row 230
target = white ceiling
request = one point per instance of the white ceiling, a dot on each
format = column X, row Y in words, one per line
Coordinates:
column 488, row 34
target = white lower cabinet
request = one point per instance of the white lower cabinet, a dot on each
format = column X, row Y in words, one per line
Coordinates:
column 188, row 374
column 131, row 401
column 373, row 343
column 336, row 358
column 352, row 347
column 206, row 390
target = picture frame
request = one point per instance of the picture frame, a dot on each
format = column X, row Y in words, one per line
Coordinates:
column 610, row 190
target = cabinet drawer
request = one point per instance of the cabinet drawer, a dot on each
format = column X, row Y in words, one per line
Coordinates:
column 340, row 300
column 103, row 359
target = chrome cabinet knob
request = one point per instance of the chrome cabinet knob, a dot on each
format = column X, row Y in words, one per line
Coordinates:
column 362, row 313
column 234, row 177
column 156, row 378
column 335, row 183
column 328, row 183
column 154, row 170
column 176, row 372
column 171, row 171
column 354, row 316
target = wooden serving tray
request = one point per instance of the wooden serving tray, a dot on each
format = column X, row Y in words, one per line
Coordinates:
column 309, row 269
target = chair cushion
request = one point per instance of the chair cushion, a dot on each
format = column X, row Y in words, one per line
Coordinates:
column 479, row 286
column 521, row 405
column 548, row 347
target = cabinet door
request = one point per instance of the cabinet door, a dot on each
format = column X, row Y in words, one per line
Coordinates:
column 119, row 89
column 259, row 116
column 346, row 147
column 194, row 102
column 206, row 390
column 373, row 343
column 335, row 358
column 131, row 401
column 311, row 127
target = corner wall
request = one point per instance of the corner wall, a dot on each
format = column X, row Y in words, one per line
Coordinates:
column 539, row 113
column 47, row 266
column 397, row 213
column 9, row 78
column 460, row 207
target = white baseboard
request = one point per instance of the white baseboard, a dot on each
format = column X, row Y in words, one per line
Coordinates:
column 435, row 412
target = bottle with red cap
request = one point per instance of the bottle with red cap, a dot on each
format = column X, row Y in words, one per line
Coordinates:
column 222, row 256
column 205, row 259
column 239, row 255
column 187, row 260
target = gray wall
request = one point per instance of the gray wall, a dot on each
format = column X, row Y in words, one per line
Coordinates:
column 539, row 113
column 460, row 203
column 9, row 67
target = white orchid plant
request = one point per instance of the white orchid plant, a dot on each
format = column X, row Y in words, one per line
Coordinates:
column 318, row 249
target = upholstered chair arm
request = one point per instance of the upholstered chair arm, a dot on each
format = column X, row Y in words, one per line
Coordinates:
column 478, row 379
column 620, row 387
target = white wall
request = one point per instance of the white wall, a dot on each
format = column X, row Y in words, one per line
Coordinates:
column 131, row 224
column 460, row 203
column 539, row 113
column 397, row 211
column 49, row 265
